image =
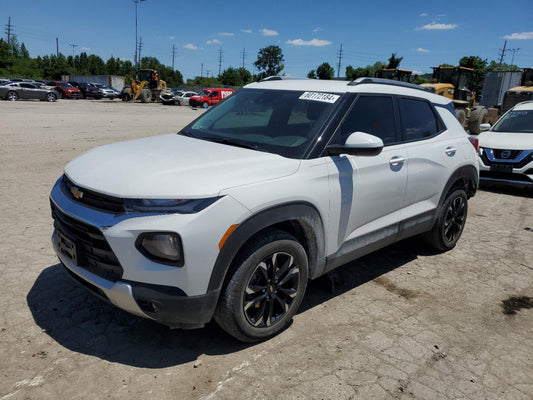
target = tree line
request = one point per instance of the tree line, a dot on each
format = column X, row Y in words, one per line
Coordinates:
column 15, row 61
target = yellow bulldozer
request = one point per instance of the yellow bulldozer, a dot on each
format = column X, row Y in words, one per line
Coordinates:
column 403, row 75
column 147, row 87
column 452, row 83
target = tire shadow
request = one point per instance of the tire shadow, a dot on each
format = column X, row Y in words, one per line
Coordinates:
column 83, row 323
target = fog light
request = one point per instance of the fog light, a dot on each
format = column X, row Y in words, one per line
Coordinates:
column 162, row 247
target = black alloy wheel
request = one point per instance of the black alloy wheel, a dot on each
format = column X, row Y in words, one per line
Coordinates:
column 454, row 220
column 264, row 288
column 271, row 289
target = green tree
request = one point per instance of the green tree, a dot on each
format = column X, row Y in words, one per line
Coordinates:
column 369, row 71
column 269, row 61
column 312, row 74
column 394, row 62
column 325, row 71
column 24, row 53
column 480, row 67
column 496, row 66
column 4, row 54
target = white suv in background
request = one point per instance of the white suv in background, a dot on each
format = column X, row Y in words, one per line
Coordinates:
column 280, row 183
column 506, row 150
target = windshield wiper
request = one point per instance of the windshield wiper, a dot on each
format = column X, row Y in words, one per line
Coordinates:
column 232, row 143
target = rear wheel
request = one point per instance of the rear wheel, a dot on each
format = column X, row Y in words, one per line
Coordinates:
column 51, row 97
column 13, row 96
column 205, row 104
column 450, row 222
column 477, row 117
column 266, row 288
column 126, row 97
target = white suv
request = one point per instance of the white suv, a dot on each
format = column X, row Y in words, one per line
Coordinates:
column 280, row 183
column 506, row 150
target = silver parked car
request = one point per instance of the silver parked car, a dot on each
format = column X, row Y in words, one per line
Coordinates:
column 179, row 97
column 25, row 90
column 106, row 91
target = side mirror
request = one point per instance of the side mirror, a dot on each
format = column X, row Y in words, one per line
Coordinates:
column 484, row 127
column 358, row 144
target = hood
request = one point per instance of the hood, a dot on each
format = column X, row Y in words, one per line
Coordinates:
column 174, row 166
column 506, row 140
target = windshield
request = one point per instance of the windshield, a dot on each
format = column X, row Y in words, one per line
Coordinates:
column 515, row 121
column 283, row 122
column 203, row 92
column 64, row 84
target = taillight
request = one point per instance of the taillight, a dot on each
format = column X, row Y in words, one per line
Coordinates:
column 475, row 142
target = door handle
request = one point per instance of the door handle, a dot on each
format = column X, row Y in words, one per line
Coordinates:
column 450, row 151
column 396, row 160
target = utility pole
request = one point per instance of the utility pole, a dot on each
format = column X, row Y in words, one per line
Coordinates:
column 8, row 30
column 514, row 51
column 73, row 59
column 219, row 60
column 202, row 70
column 243, row 57
column 503, row 52
column 137, row 56
column 57, row 47
column 340, row 60
column 139, row 53
column 173, row 55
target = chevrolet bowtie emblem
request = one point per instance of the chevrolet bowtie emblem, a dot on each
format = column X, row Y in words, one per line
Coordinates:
column 77, row 193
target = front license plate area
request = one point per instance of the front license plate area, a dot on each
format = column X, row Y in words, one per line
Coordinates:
column 67, row 247
column 502, row 168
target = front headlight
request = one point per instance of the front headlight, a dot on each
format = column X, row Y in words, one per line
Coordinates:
column 186, row 206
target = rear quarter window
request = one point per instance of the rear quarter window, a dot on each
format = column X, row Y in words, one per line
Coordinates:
column 419, row 119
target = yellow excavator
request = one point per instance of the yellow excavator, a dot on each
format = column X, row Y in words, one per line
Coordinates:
column 452, row 83
column 403, row 75
column 147, row 87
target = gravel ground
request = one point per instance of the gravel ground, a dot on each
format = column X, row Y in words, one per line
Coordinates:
column 401, row 323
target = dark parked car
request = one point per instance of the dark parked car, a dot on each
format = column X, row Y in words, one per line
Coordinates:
column 67, row 90
column 24, row 90
column 87, row 89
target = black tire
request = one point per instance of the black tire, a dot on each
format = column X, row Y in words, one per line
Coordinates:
column 205, row 104
column 461, row 116
column 51, row 97
column 477, row 117
column 145, row 96
column 126, row 97
column 12, row 96
column 450, row 222
column 265, row 289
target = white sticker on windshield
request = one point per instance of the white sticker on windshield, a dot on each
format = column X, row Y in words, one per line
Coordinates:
column 317, row 96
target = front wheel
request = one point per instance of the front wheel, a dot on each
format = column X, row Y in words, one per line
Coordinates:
column 450, row 222
column 267, row 287
column 205, row 104
column 12, row 96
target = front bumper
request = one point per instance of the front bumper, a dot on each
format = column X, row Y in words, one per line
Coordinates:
column 517, row 172
column 104, row 258
column 167, row 305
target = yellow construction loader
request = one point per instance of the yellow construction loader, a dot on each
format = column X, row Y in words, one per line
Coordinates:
column 147, row 87
column 452, row 83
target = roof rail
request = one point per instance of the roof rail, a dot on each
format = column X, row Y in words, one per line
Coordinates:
column 280, row 78
column 381, row 81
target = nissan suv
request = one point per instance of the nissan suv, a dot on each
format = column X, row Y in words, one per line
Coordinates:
column 280, row 183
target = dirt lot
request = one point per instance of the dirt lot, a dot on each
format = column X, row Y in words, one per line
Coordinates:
column 401, row 323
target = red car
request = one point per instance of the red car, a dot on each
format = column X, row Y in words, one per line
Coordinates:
column 67, row 90
column 209, row 97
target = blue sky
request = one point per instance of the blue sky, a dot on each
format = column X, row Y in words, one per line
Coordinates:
column 424, row 33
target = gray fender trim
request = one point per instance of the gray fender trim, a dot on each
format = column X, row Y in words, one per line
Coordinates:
column 304, row 214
